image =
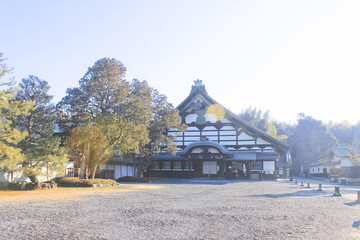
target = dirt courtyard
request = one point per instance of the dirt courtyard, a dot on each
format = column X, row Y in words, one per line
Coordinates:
column 181, row 210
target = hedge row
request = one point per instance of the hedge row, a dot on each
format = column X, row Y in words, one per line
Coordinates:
column 76, row 182
column 32, row 186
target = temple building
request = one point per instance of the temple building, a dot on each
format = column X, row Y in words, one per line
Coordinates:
column 218, row 144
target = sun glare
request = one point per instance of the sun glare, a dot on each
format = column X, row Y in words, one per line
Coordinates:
column 215, row 112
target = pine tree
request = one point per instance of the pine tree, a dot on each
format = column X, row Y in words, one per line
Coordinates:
column 10, row 153
column 40, row 146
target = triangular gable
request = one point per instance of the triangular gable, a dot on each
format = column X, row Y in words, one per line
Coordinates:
column 199, row 100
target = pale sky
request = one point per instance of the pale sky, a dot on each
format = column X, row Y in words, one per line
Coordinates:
column 284, row 56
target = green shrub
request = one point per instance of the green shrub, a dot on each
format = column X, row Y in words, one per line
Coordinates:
column 76, row 182
column 134, row 179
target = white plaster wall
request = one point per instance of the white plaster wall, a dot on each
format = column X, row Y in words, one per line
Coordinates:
column 117, row 173
column 246, row 142
column 192, row 139
column 228, row 138
column 227, row 128
column 244, row 136
column 70, row 164
column 192, row 133
column 190, row 118
column 212, row 138
column 224, row 120
column 18, row 176
column 210, row 118
column 346, row 163
column 316, row 169
column 269, row 167
column 228, row 143
column 261, row 141
column 228, row 133
column 210, row 128
column 211, row 133
column 192, row 128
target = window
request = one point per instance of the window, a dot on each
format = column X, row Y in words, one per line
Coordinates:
column 187, row 165
column 156, row 165
column 177, row 165
column 166, row 165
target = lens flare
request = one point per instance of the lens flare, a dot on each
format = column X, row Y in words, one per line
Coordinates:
column 215, row 112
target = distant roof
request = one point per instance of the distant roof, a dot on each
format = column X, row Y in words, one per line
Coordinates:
column 340, row 150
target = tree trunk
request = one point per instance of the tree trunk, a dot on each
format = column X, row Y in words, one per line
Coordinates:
column 139, row 171
column 93, row 173
column 33, row 178
column 82, row 168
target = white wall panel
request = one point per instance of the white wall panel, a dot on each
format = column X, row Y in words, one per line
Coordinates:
column 244, row 136
column 227, row 128
column 210, row 128
column 269, row 167
column 261, row 141
column 228, row 138
column 190, row 118
column 117, row 173
column 224, row 120
column 228, row 133
column 192, row 138
column 210, row 133
column 228, row 142
column 246, row 142
column 192, row 133
column 212, row 138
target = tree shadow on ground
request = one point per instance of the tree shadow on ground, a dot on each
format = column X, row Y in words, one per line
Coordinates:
column 301, row 193
column 199, row 181
column 350, row 204
column 356, row 224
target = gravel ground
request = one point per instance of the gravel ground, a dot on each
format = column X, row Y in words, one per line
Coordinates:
column 190, row 210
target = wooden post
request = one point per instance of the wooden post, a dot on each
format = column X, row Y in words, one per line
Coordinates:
column 320, row 185
column 337, row 191
column 295, row 182
column 302, row 183
column 308, row 185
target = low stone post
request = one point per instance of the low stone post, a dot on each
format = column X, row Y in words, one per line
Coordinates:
column 320, row 189
column 337, row 191
column 308, row 185
column 302, row 183
column 295, row 182
column 358, row 197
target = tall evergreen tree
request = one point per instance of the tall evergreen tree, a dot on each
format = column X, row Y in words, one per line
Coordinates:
column 124, row 112
column 164, row 117
column 10, row 153
column 40, row 146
